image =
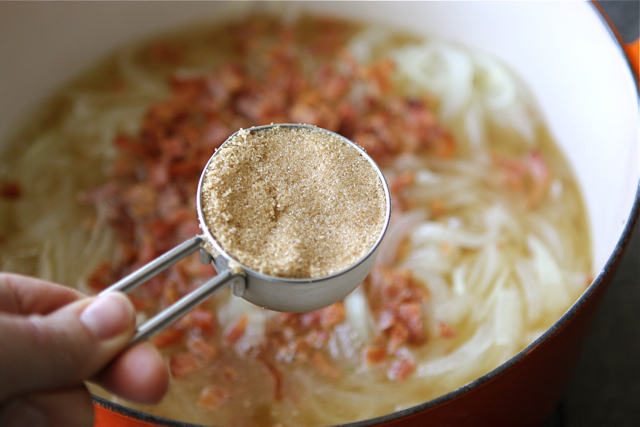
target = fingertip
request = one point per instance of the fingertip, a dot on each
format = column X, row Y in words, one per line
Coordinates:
column 139, row 374
column 109, row 315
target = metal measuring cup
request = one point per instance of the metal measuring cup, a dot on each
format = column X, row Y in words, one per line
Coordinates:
column 274, row 293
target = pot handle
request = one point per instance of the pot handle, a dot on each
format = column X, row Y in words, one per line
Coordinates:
column 633, row 55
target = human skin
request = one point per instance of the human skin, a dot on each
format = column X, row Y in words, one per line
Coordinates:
column 53, row 339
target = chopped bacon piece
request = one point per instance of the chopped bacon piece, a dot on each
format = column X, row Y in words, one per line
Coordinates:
column 182, row 364
column 140, row 304
column 276, row 375
column 167, row 338
column 213, row 397
column 141, row 200
column 236, row 331
column 541, row 177
column 530, row 176
column 437, row 207
column 230, row 373
column 445, row 330
column 323, row 366
column 165, row 53
column 10, row 190
column 398, row 336
column 373, row 355
column 201, row 348
column 324, row 318
column 317, row 337
column 201, row 319
column 102, row 277
column 401, row 368
column 397, row 301
column 410, row 314
column 401, row 182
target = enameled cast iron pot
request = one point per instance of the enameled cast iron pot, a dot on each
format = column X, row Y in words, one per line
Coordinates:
column 578, row 68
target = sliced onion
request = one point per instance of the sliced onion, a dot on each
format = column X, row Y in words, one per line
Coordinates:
column 463, row 356
column 359, row 315
column 399, row 228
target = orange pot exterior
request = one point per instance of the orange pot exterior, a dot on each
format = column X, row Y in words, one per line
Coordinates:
column 105, row 417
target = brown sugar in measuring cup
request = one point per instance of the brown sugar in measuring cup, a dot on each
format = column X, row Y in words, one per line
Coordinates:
column 292, row 218
column 292, row 202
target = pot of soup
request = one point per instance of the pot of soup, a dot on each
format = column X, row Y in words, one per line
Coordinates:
column 508, row 135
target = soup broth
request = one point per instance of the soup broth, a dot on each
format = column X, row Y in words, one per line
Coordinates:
column 488, row 243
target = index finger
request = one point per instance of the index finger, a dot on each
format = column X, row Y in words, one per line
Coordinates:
column 28, row 295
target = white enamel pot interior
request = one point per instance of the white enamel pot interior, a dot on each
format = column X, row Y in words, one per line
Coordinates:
column 562, row 50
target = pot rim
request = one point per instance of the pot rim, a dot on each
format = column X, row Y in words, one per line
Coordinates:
column 608, row 269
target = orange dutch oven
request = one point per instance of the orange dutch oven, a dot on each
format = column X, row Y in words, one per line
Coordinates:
column 560, row 49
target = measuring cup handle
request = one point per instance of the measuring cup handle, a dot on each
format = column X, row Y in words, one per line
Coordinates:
column 184, row 305
column 156, row 266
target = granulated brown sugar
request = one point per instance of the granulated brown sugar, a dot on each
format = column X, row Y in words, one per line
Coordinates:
column 293, row 202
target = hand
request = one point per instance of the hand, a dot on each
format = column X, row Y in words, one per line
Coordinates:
column 53, row 338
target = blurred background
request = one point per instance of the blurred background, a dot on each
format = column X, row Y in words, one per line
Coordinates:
column 605, row 389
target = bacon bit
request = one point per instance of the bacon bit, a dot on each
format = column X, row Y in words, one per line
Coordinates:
column 541, row 177
column 324, row 367
column 332, row 315
column 230, row 373
column 373, row 355
column 276, row 375
column 131, row 145
column 401, row 182
column 398, row 335
column 170, row 292
column 410, row 314
column 316, row 338
column 201, row 348
column 391, row 284
column 325, row 318
column 333, row 84
column 315, row 111
column 291, row 350
column 182, row 364
column 124, row 167
column 160, row 229
column 437, row 207
column 102, row 277
column 396, row 301
column 165, row 53
column 203, row 320
column 213, row 397
column 10, row 190
column 401, row 368
column 530, row 175
column 140, row 200
column 386, row 319
column 167, row 338
column 147, row 251
column 380, row 73
column 140, row 304
column 445, row 145
column 445, row 330
column 236, row 331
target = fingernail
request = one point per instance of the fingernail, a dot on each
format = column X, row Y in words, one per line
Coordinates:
column 21, row 414
column 108, row 315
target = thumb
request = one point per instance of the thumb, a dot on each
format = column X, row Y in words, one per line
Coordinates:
column 64, row 348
